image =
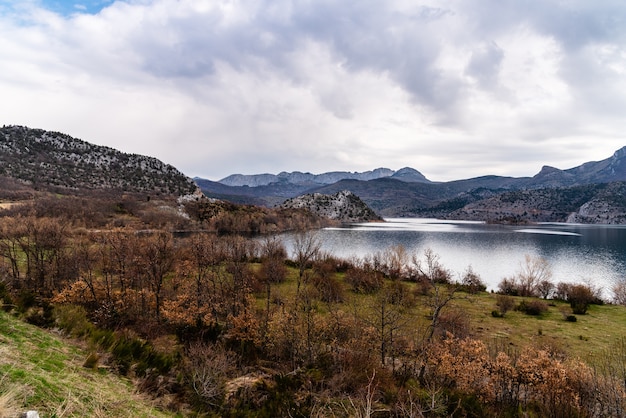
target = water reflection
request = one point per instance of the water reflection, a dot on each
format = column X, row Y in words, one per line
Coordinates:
column 576, row 253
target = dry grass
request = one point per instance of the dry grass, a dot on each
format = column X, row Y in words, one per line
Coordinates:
column 9, row 401
column 43, row 372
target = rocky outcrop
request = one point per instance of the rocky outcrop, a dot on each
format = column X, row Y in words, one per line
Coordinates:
column 343, row 206
column 609, row 207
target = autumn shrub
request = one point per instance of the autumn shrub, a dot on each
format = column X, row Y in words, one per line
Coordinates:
column 532, row 307
column 329, row 288
column 363, row 280
column 537, row 382
column 504, row 303
column 455, row 322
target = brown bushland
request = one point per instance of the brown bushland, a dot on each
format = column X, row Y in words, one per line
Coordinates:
column 399, row 342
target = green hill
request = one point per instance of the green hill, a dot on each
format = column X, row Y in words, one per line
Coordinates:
column 40, row 371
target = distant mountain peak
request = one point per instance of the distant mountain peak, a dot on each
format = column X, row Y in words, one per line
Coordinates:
column 620, row 153
column 299, row 178
column 410, row 175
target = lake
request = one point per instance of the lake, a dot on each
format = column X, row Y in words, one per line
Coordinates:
column 594, row 254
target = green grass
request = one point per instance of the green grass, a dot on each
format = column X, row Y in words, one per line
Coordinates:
column 41, row 371
column 591, row 335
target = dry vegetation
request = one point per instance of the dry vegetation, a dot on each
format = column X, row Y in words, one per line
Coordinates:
column 216, row 324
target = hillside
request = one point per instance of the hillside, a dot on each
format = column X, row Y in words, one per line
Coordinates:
column 52, row 161
column 43, row 372
column 406, row 194
column 596, row 203
column 343, row 206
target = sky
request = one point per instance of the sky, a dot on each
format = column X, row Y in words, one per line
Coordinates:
column 454, row 89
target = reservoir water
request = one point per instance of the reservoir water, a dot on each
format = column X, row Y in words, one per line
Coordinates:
column 593, row 254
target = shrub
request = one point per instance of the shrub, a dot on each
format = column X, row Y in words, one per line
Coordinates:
column 329, row 288
column 364, row 280
column 508, row 286
column 73, row 320
column 471, row 282
column 533, row 307
column 504, row 303
column 6, row 302
column 580, row 297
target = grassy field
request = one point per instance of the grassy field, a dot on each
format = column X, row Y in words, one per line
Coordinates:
column 592, row 333
column 43, row 372
column 589, row 337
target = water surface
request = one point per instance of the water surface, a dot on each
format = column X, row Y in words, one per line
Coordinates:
column 594, row 254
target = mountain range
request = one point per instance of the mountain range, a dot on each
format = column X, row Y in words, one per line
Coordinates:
column 407, row 192
column 33, row 160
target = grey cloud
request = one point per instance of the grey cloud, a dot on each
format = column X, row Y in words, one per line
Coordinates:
column 304, row 77
column 362, row 36
column 484, row 64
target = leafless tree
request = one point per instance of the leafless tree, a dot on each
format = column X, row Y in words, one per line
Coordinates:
column 533, row 271
column 439, row 289
column 306, row 247
column 156, row 260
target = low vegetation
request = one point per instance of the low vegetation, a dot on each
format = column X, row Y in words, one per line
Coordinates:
column 208, row 322
column 43, row 372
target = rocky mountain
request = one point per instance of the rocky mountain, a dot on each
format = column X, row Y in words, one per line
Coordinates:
column 343, row 206
column 407, row 192
column 53, row 161
column 311, row 180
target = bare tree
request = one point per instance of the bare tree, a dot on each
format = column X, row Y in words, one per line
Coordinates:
column 387, row 318
column 619, row 292
column 439, row 289
column 533, row 271
column 545, row 288
column 43, row 245
column 11, row 232
column 306, row 247
column 273, row 270
column 157, row 259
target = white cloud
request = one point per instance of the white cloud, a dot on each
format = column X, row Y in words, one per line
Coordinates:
column 454, row 89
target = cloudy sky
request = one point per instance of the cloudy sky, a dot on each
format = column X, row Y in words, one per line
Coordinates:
column 455, row 89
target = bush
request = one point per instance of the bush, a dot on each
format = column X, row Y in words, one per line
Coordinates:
column 6, row 302
column 129, row 351
column 508, row 286
column 364, row 280
column 472, row 282
column 504, row 303
column 580, row 297
column 533, row 307
column 329, row 288
column 73, row 320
